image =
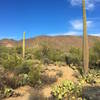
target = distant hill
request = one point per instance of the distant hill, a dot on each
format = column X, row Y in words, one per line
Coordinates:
column 58, row 42
column 8, row 42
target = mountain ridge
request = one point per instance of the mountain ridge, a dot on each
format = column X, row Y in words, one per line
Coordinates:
column 58, row 42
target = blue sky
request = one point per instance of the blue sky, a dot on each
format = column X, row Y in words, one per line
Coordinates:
column 47, row 17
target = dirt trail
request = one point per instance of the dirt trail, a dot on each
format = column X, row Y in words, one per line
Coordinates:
column 29, row 93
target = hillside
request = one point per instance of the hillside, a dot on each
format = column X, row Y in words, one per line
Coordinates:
column 8, row 42
column 58, row 42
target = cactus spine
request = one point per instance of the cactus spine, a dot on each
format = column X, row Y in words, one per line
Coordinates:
column 23, row 45
column 85, row 41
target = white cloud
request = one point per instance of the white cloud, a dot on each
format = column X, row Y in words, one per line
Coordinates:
column 89, row 23
column 75, row 2
column 78, row 24
column 66, row 33
column 97, row 34
column 73, row 33
column 90, row 4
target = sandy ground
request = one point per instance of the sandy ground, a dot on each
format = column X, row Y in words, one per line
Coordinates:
column 51, row 77
column 29, row 93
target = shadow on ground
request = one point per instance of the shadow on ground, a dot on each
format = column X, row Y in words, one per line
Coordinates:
column 37, row 95
column 91, row 92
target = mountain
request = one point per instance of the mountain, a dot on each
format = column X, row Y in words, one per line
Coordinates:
column 8, row 42
column 58, row 42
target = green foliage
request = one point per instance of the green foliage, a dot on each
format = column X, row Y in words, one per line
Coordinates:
column 24, row 67
column 19, row 50
column 8, row 92
column 23, row 79
column 95, row 54
column 91, row 78
column 4, row 49
column 48, row 55
column 67, row 89
column 29, row 54
column 74, row 56
column 34, row 74
column 56, row 55
column 12, row 61
column 3, row 53
column 28, row 72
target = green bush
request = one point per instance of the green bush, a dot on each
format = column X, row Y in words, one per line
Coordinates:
column 23, row 79
column 67, row 89
column 74, row 57
column 18, row 50
column 8, row 92
column 12, row 61
column 4, row 50
column 56, row 55
column 95, row 54
column 24, row 67
column 29, row 73
column 91, row 78
column 49, row 55
column 34, row 74
column 29, row 54
column 3, row 54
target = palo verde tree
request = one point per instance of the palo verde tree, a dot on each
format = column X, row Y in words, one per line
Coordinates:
column 85, row 41
column 23, row 45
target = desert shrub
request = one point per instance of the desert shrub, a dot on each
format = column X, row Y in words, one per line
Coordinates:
column 12, row 61
column 3, row 56
column 74, row 56
column 56, row 55
column 92, row 77
column 8, row 92
column 59, row 74
column 41, row 53
column 23, row 79
column 24, row 72
column 4, row 49
column 59, row 63
column 34, row 74
column 18, row 50
column 5, row 80
column 7, row 84
column 28, row 72
column 67, row 89
column 7, row 50
column 48, row 55
column 3, row 53
column 95, row 54
column 24, row 67
column 29, row 54
column 15, row 81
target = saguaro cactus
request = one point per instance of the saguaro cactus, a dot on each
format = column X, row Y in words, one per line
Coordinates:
column 85, row 41
column 23, row 45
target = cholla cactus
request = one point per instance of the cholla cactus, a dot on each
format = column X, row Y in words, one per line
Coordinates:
column 23, row 45
column 85, row 41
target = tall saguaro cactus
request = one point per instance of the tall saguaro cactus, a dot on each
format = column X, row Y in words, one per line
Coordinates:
column 85, row 41
column 23, row 45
